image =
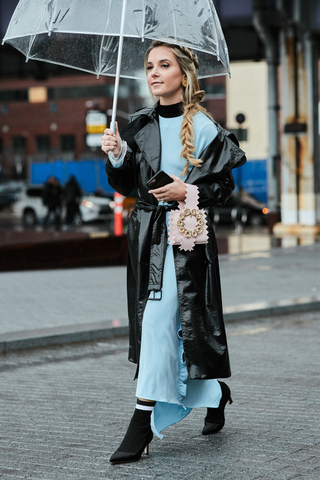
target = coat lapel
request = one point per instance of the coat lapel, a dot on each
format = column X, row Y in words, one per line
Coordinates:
column 149, row 143
column 220, row 156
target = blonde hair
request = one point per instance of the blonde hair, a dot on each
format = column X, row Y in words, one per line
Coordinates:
column 190, row 98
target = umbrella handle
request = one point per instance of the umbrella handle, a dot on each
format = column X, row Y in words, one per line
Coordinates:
column 117, row 80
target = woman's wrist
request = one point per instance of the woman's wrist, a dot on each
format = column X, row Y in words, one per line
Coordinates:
column 184, row 193
column 116, row 160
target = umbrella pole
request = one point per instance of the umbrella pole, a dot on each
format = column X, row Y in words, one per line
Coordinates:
column 116, row 85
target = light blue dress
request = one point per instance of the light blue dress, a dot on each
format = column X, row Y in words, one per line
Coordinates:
column 163, row 375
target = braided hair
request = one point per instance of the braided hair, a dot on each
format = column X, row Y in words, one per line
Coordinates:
column 191, row 98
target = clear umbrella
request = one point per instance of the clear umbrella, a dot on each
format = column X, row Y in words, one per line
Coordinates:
column 110, row 37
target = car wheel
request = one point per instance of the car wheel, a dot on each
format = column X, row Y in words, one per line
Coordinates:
column 29, row 218
column 255, row 220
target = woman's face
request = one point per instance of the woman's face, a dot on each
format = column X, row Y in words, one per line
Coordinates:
column 164, row 75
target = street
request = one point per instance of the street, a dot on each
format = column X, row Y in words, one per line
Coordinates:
column 65, row 410
column 232, row 239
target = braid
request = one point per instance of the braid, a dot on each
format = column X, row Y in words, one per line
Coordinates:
column 187, row 131
column 191, row 98
column 193, row 57
column 188, row 138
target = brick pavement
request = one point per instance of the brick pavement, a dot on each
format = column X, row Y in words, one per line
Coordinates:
column 37, row 299
column 58, row 298
column 65, row 410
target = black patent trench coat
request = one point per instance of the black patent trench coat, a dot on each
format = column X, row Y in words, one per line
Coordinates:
column 197, row 272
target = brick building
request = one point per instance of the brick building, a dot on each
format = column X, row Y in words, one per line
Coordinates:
column 44, row 120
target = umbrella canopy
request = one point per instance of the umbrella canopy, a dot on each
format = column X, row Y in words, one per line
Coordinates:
column 110, row 37
column 85, row 34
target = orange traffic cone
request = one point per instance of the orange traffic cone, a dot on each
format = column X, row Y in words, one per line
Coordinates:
column 118, row 214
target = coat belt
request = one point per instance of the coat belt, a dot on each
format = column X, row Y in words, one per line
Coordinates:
column 158, row 243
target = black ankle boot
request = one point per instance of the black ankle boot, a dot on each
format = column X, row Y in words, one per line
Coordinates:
column 214, row 420
column 136, row 440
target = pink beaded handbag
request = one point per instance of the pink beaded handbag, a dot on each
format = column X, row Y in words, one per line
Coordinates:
column 188, row 224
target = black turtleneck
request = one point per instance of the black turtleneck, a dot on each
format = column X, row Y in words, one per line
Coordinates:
column 170, row 111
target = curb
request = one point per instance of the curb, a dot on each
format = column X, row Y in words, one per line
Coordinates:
column 61, row 335
column 110, row 329
column 263, row 309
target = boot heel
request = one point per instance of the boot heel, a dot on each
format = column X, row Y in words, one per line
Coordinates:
column 146, row 450
column 215, row 418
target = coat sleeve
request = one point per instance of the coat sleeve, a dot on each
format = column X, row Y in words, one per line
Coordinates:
column 122, row 179
column 217, row 192
column 214, row 178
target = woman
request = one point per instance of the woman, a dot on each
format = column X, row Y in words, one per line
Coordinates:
column 176, row 329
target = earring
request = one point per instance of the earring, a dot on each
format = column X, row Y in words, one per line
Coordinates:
column 184, row 82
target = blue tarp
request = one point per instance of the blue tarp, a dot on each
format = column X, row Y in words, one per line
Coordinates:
column 90, row 174
column 253, row 178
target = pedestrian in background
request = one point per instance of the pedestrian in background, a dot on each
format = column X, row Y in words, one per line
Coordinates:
column 176, row 328
column 52, row 199
column 72, row 197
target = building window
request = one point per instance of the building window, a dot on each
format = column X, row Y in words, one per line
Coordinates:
column 59, row 93
column 38, row 94
column 53, row 107
column 19, row 145
column 67, row 143
column 43, row 144
column 216, row 90
column 240, row 133
column 43, row 94
column 13, row 95
column 4, row 109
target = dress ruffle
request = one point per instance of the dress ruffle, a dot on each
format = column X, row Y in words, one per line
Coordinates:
column 183, row 372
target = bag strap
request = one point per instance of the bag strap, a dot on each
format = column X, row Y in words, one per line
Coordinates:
column 192, row 197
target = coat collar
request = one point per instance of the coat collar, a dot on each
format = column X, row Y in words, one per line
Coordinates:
column 148, row 137
column 144, row 132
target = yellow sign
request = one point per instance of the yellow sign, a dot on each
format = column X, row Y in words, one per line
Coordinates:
column 38, row 94
column 96, row 122
column 96, row 128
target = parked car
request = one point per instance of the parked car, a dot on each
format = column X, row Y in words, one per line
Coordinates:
column 128, row 202
column 9, row 192
column 29, row 207
column 242, row 208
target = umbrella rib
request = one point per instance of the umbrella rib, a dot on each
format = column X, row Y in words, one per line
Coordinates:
column 31, row 42
column 65, row 14
column 143, row 19
column 174, row 22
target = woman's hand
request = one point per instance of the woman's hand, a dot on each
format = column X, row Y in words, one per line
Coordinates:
column 175, row 191
column 111, row 142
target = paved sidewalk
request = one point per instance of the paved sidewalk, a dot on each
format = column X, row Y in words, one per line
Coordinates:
column 65, row 410
column 60, row 306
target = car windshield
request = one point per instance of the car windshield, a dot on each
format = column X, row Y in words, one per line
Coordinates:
column 10, row 187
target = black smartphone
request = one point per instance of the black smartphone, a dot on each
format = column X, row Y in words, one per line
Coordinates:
column 160, row 179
